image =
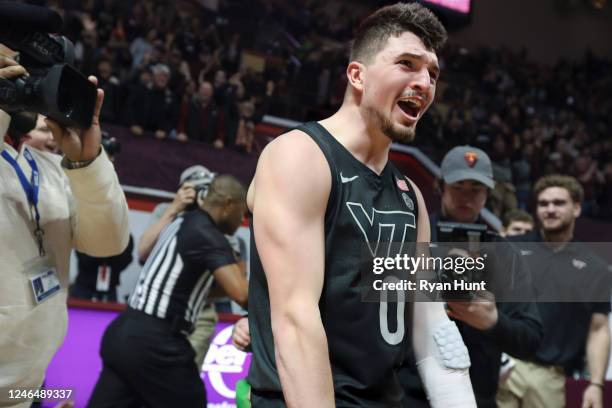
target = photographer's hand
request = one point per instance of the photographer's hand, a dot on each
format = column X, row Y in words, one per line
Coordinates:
column 80, row 145
column 185, row 196
column 9, row 68
column 480, row 312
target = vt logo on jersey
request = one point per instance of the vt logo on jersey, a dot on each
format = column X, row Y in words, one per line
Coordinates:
column 385, row 226
column 381, row 226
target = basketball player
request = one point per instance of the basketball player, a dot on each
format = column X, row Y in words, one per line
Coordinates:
column 323, row 192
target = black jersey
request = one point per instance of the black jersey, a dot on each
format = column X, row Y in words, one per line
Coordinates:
column 366, row 340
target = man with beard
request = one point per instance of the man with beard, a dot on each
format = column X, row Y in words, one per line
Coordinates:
column 570, row 328
column 324, row 195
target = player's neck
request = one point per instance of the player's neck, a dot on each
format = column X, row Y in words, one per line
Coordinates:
column 349, row 128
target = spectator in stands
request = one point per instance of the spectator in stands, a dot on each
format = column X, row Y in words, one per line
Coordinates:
column 202, row 68
column 232, row 112
column 606, row 195
column 503, row 197
column 586, row 171
column 112, row 92
column 199, row 117
column 179, row 72
column 516, row 222
column 141, row 46
column 245, row 132
column 86, row 51
column 232, row 54
column 155, row 108
column 521, row 174
column 485, row 92
column 221, row 87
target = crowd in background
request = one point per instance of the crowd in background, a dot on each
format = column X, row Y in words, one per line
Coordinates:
column 183, row 71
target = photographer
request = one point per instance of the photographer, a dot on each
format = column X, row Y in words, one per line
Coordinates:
column 98, row 278
column 488, row 328
column 48, row 208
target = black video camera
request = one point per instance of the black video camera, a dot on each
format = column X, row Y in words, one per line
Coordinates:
column 54, row 88
column 460, row 240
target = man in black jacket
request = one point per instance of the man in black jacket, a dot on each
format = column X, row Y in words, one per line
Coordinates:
column 488, row 328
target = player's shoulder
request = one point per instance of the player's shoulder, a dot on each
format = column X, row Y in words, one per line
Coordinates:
column 412, row 184
column 292, row 144
column 294, row 154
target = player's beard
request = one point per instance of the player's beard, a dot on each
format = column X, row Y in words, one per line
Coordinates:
column 396, row 133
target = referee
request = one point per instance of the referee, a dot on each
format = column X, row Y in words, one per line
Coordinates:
column 147, row 359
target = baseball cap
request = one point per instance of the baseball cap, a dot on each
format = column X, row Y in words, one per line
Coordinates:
column 467, row 163
column 197, row 175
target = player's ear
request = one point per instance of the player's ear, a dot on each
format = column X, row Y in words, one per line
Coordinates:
column 355, row 74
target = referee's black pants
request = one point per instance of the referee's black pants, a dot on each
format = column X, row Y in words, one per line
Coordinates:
column 146, row 364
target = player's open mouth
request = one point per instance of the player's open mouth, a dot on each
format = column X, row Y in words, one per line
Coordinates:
column 411, row 107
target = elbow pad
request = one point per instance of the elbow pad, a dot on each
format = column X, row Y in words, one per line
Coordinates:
column 445, row 369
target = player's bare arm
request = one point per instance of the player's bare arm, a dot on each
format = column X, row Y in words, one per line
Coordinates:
column 293, row 182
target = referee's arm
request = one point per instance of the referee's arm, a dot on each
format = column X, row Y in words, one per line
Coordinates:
column 233, row 282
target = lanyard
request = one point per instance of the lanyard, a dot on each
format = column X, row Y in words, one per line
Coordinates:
column 31, row 190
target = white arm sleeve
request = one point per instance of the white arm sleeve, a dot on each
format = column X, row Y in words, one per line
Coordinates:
column 442, row 358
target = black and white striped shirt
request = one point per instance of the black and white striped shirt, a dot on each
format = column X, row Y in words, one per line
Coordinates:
column 176, row 279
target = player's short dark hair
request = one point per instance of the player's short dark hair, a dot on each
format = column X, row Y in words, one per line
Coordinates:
column 393, row 20
column 516, row 215
column 573, row 186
